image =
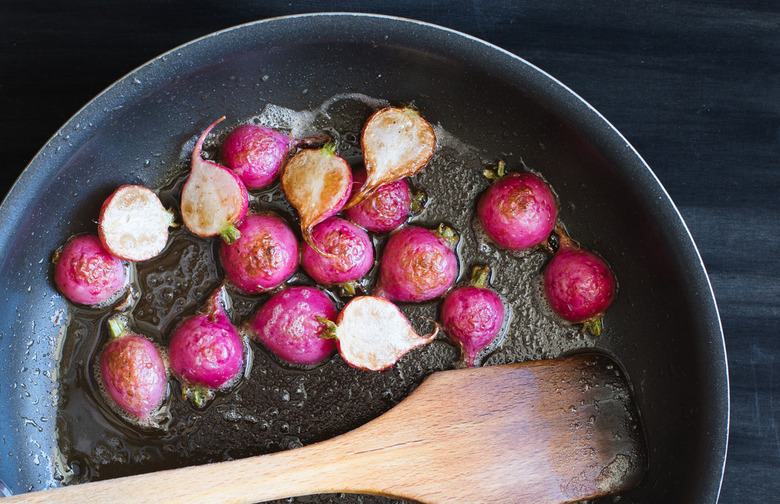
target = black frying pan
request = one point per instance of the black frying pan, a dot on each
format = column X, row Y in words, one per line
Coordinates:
column 663, row 328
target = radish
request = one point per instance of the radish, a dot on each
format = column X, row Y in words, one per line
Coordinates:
column 418, row 264
column 317, row 183
column 518, row 211
column 373, row 334
column 387, row 207
column 133, row 223
column 396, row 143
column 132, row 374
column 289, row 325
column 350, row 253
column 579, row 285
column 86, row 273
column 263, row 257
column 472, row 316
column 213, row 200
column 206, row 352
column 256, row 153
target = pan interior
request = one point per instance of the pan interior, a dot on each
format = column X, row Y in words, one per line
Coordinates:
column 487, row 105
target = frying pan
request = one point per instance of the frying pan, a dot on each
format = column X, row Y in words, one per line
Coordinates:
column 663, row 327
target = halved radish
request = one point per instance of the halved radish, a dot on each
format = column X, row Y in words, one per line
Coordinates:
column 133, row 223
column 213, row 200
column 317, row 182
column 373, row 334
column 396, row 143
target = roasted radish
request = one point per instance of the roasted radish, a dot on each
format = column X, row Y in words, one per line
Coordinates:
column 290, row 324
column 86, row 273
column 257, row 153
column 263, row 257
column 579, row 285
column 472, row 316
column 133, row 223
column 207, row 352
column 386, row 208
column 213, row 200
column 373, row 334
column 518, row 211
column 418, row 264
column 350, row 253
column 132, row 374
column 317, row 183
column 396, row 143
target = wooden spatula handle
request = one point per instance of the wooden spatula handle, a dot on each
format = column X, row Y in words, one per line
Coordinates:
column 552, row 431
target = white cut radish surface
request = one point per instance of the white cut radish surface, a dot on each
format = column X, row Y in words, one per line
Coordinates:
column 396, row 143
column 133, row 224
column 213, row 199
column 373, row 334
column 317, row 182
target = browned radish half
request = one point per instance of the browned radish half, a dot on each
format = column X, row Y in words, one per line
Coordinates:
column 373, row 334
column 213, row 200
column 396, row 143
column 317, row 182
column 133, row 223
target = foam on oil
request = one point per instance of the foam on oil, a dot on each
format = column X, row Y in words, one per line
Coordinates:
column 278, row 407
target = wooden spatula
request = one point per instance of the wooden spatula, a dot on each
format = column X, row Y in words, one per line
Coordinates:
column 552, row 431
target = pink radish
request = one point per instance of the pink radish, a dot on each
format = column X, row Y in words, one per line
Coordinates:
column 473, row 315
column 86, row 273
column 579, row 285
column 387, row 207
column 350, row 253
column 132, row 373
column 263, row 257
column 518, row 211
column 317, row 183
column 207, row 352
column 256, row 153
column 396, row 143
column 373, row 334
column 213, row 200
column 418, row 264
column 133, row 223
column 289, row 325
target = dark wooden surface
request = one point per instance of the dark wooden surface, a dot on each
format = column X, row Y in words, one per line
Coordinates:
column 694, row 86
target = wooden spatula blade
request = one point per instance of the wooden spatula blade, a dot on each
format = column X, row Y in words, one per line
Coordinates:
column 552, row 431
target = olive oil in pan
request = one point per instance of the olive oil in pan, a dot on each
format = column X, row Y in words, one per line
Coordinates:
column 275, row 406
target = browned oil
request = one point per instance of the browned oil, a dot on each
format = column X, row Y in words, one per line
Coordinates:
column 277, row 407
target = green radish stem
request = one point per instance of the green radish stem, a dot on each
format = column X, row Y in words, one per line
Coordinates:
column 230, row 233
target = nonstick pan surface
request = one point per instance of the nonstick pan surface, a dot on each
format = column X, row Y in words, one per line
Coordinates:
column 489, row 104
